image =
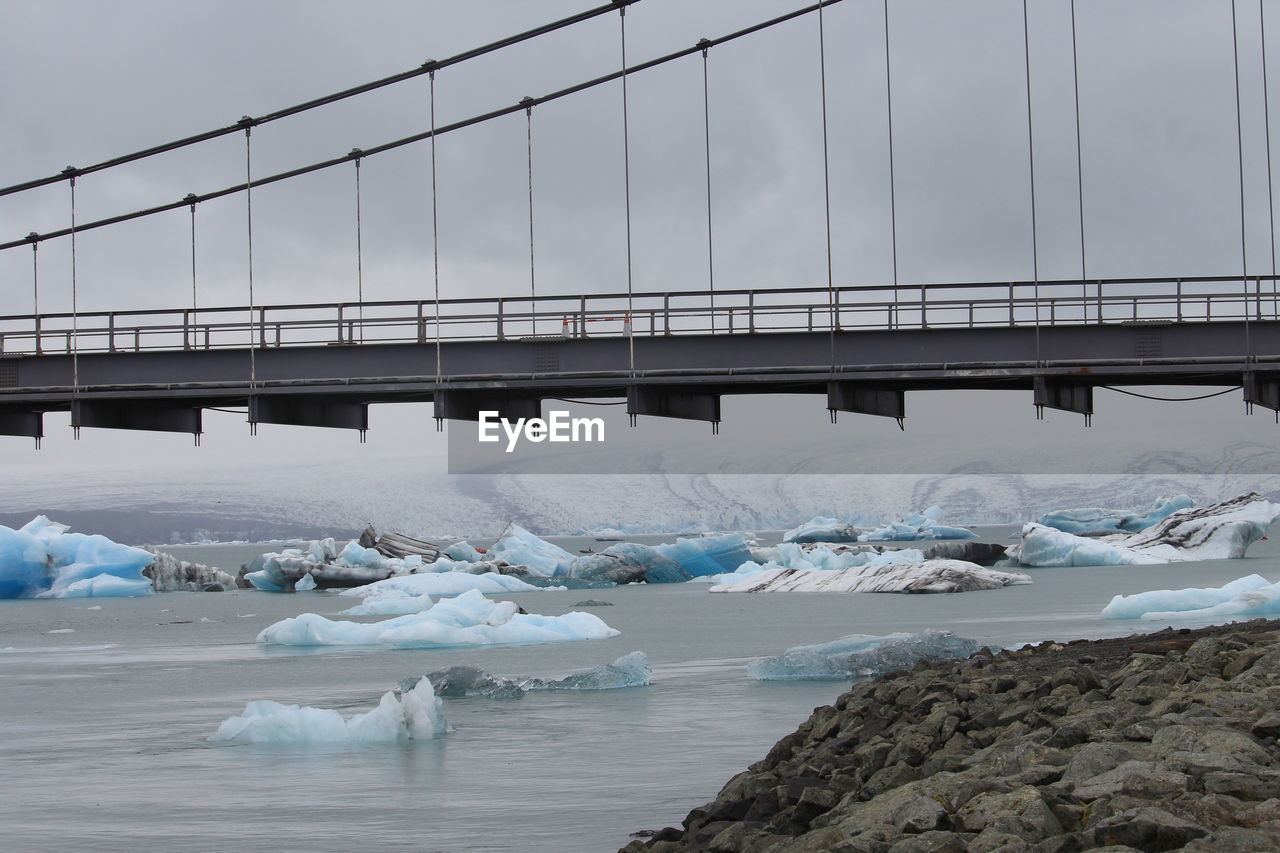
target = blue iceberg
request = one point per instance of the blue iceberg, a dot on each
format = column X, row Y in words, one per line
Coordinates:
column 1093, row 521
column 415, row 714
column 708, row 555
column 518, row 547
column 860, row 656
column 43, row 560
column 629, row 562
column 1248, row 596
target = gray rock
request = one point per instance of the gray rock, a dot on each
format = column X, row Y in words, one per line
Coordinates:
column 1093, row 759
column 919, row 815
column 1217, row 741
column 1149, row 829
column 1234, row 840
column 932, row 842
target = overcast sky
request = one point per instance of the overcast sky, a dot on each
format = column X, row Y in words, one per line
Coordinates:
column 85, row 81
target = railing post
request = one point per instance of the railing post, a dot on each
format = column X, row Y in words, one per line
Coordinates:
column 422, row 325
column 924, row 307
column 340, row 321
column 666, row 313
column 38, row 348
column 186, row 330
column 499, row 317
column 1178, row 310
column 1099, row 300
column 1010, row 303
column 262, row 327
column 811, row 318
column 206, row 337
column 751, row 311
column 277, row 335
column 836, row 305
column 582, row 313
column 111, row 332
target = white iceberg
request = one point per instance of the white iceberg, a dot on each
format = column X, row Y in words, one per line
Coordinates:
column 631, row 670
column 861, row 656
column 1248, row 596
column 518, row 547
column 392, row 602
column 43, row 560
column 1093, row 521
column 1223, row 531
column 927, row 576
column 328, row 566
column 445, row 583
column 468, row 620
column 924, row 525
column 416, row 714
column 820, row 528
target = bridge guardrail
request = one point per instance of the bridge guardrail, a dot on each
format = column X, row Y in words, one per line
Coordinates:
column 755, row 311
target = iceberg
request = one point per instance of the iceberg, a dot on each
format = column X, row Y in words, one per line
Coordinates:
column 392, row 602
column 708, row 555
column 631, row 670
column 468, row 620
column 861, row 656
column 463, row 552
column 416, row 714
column 822, row 529
column 1223, row 531
column 43, row 560
column 304, row 583
column 923, row 525
column 444, row 583
column 1248, row 596
column 1094, row 521
column 629, row 562
column 926, row 576
column 168, row 574
column 518, row 547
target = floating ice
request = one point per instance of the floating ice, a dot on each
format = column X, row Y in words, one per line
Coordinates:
column 631, row 670
column 327, row 565
column 444, row 583
column 519, row 547
column 416, row 714
column 1223, row 531
column 392, row 602
column 463, row 552
column 304, row 583
column 468, row 620
column 861, row 656
column 43, row 560
column 708, row 555
column 629, row 562
column 1087, row 521
column 168, row 573
column 923, row 525
column 1248, row 596
column 927, row 576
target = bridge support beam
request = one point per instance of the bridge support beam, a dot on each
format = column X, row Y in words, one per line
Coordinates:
column 153, row 416
column 663, row 402
column 466, row 404
column 1262, row 389
column 1053, row 393
column 866, row 400
column 309, row 411
column 22, row 422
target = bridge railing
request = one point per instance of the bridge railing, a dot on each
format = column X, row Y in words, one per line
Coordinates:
column 756, row 311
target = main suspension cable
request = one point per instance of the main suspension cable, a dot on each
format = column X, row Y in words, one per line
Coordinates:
column 426, row 68
column 430, row 134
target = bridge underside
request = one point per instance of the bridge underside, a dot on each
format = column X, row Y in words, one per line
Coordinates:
column 865, row 372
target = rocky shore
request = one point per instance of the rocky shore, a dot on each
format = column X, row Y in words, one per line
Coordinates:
column 1155, row 742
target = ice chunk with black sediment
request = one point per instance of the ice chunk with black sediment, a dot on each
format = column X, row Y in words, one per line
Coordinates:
column 1249, row 596
column 1223, row 531
column 168, row 574
column 878, row 576
column 415, row 714
column 42, row 559
column 861, row 656
column 630, row 670
column 1094, row 521
column 821, row 528
column 467, row 620
column 629, row 562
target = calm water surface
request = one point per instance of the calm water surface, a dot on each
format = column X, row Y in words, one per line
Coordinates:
column 105, row 728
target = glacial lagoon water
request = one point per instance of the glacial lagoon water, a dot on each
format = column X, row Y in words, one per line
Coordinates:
column 105, row 727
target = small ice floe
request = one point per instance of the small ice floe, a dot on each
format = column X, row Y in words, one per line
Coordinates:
column 1249, row 596
column 917, row 577
column 631, row 670
column 923, row 525
column 467, row 620
column 415, row 714
column 94, row 607
column 207, row 619
column 304, row 583
column 1223, row 531
column 861, row 656
column 61, row 631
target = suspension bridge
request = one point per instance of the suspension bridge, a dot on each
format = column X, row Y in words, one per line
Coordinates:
column 671, row 353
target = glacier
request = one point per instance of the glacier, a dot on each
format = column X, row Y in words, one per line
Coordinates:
column 1252, row 595
column 630, row 670
column 42, row 559
column 416, row 714
column 861, row 656
column 1223, row 531
column 926, row 576
column 1093, row 521
column 467, row 620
